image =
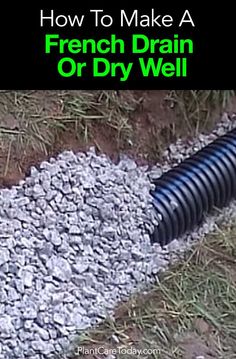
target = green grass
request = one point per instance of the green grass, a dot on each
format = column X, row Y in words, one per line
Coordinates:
column 187, row 113
column 33, row 119
column 108, row 107
column 35, row 122
column 196, row 107
column 192, row 309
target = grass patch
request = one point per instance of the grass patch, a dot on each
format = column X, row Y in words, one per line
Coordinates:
column 38, row 124
column 196, row 107
column 191, row 313
column 111, row 108
column 33, row 119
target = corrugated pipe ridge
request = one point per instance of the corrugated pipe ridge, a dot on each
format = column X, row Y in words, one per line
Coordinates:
column 187, row 192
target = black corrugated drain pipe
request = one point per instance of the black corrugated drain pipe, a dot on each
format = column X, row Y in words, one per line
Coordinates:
column 183, row 195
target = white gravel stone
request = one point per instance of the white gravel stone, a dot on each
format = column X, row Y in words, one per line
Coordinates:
column 4, row 256
column 6, row 326
column 59, row 268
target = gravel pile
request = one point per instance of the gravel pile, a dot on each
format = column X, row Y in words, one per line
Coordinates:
column 75, row 241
